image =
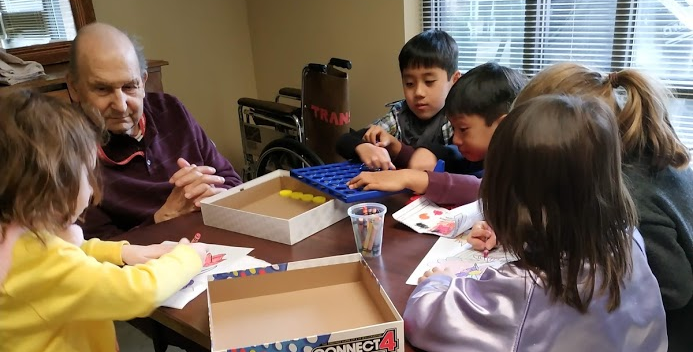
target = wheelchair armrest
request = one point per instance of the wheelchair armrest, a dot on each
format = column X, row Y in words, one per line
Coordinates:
column 294, row 93
column 270, row 106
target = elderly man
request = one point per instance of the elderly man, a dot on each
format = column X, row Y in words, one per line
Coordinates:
column 157, row 162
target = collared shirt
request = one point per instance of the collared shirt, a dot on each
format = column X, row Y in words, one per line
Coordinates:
column 390, row 122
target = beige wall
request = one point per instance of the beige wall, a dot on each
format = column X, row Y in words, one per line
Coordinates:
column 210, row 61
column 286, row 35
column 251, row 48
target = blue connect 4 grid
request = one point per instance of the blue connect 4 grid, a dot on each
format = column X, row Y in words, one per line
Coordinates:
column 332, row 179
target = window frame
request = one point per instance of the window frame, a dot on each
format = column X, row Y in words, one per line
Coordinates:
column 53, row 53
column 626, row 12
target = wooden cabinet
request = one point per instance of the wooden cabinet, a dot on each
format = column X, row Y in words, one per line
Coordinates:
column 53, row 82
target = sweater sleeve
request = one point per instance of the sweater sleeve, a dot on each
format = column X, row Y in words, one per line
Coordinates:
column 81, row 288
column 666, row 256
column 347, row 143
column 447, row 188
column 105, row 251
column 209, row 152
column 453, row 314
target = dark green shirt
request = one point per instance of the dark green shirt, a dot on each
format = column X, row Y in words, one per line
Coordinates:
column 665, row 209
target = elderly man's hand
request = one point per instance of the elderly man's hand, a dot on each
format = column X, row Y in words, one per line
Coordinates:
column 192, row 184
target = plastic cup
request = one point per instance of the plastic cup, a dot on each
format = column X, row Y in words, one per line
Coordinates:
column 367, row 220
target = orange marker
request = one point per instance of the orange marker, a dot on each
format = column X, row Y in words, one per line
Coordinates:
column 196, row 238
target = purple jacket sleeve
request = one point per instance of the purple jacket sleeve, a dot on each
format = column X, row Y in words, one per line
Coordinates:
column 447, row 188
column 463, row 314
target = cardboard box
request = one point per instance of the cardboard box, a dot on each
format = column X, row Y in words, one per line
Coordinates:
column 332, row 304
column 255, row 208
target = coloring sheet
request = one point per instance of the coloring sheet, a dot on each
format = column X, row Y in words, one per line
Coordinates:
column 458, row 255
column 424, row 216
column 219, row 259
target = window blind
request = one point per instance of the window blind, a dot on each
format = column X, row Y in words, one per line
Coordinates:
column 655, row 36
column 30, row 22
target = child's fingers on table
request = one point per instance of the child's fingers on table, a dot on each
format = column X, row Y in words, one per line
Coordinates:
column 491, row 242
column 381, row 164
column 480, row 233
column 477, row 243
column 355, row 180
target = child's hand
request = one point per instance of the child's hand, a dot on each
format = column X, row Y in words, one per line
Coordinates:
column 436, row 271
column 134, row 254
column 200, row 248
column 374, row 157
column 376, row 135
column 482, row 237
column 72, row 234
column 389, row 181
column 423, row 159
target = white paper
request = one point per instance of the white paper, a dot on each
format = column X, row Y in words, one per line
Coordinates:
column 424, row 216
column 457, row 255
column 219, row 259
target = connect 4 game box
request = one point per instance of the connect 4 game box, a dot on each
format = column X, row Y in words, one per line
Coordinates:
column 333, row 178
column 331, row 304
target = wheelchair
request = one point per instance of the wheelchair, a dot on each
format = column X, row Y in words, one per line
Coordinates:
column 273, row 132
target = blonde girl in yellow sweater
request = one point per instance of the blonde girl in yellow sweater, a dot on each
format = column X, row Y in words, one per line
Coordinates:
column 61, row 293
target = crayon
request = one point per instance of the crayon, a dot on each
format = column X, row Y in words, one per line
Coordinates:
column 371, row 238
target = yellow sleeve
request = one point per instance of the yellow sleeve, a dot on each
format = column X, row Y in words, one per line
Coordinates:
column 105, row 251
column 62, row 283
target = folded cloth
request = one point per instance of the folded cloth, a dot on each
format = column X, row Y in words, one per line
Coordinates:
column 14, row 70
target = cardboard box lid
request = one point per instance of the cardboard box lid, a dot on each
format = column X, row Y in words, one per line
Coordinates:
column 307, row 298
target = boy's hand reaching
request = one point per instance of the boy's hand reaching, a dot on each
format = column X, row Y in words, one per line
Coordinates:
column 374, row 157
column 482, row 237
column 377, row 136
column 391, row 181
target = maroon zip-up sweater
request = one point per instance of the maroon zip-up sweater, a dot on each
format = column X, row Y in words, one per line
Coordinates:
column 133, row 192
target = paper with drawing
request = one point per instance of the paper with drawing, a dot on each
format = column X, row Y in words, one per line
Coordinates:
column 219, row 259
column 458, row 255
column 424, row 216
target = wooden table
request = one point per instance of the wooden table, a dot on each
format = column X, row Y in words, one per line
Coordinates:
column 402, row 251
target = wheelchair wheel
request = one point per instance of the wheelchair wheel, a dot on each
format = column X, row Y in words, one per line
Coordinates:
column 286, row 154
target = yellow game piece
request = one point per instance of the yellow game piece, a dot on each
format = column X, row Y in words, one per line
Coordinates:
column 296, row 195
column 319, row 199
column 307, row 197
column 285, row 192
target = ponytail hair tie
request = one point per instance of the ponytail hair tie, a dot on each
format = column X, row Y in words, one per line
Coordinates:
column 613, row 79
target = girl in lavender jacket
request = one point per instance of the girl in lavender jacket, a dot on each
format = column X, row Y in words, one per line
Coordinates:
column 554, row 195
